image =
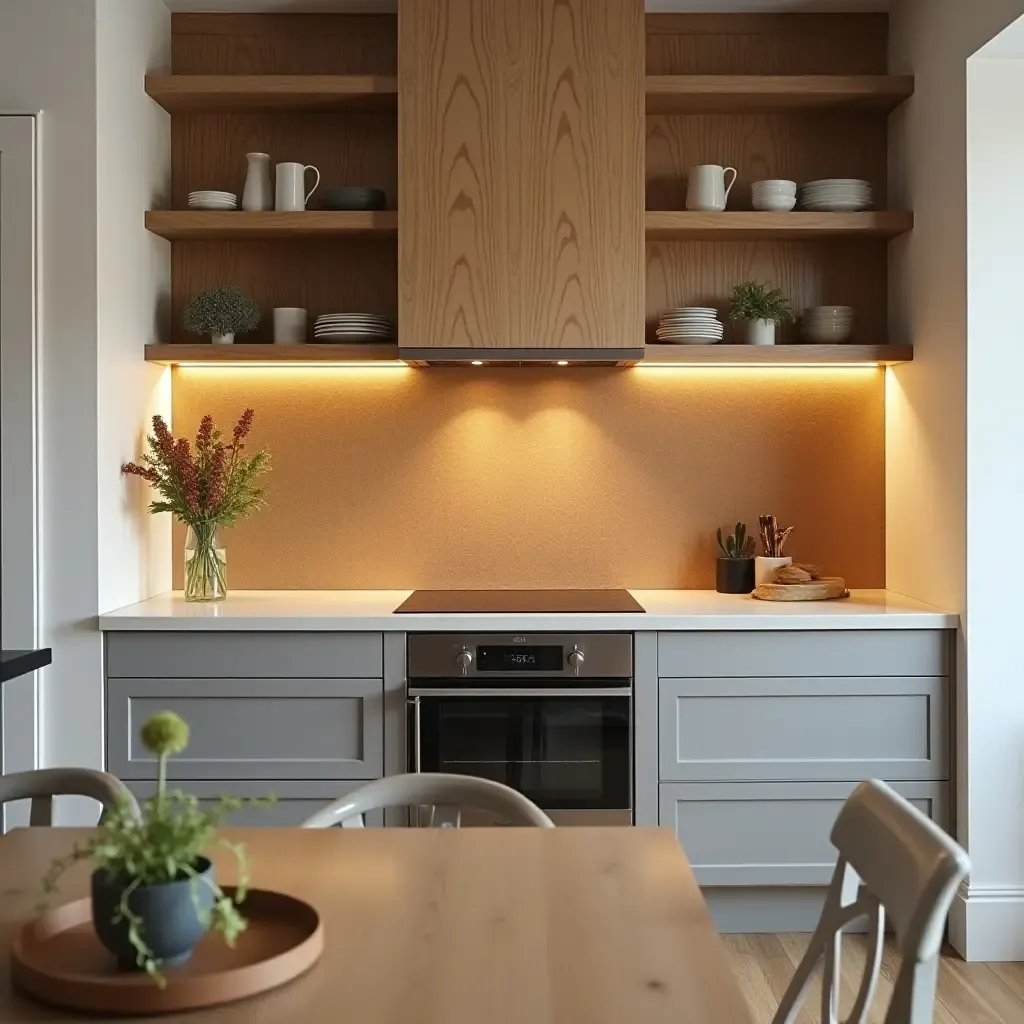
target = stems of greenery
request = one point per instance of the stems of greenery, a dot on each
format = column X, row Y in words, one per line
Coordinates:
column 754, row 301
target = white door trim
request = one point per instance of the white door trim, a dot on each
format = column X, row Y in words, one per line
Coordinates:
column 19, row 433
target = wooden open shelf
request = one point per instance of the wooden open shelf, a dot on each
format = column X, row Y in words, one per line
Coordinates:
column 655, row 355
column 683, row 225
column 745, row 94
column 172, row 355
column 191, row 225
column 777, row 355
column 223, row 93
column 666, row 94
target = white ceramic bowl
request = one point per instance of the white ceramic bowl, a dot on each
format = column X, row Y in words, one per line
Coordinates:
column 828, row 335
column 829, row 311
column 774, row 204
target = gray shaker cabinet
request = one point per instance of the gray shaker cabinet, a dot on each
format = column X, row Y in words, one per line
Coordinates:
column 294, row 803
column 252, row 728
column 769, row 834
column 808, row 728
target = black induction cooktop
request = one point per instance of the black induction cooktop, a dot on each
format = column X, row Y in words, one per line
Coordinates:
column 517, row 601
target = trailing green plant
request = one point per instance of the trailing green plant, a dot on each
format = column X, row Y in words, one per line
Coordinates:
column 221, row 310
column 754, row 301
column 163, row 844
column 737, row 544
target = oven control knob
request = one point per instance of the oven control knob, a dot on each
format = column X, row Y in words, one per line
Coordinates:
column 576, row 658
column 464, row 659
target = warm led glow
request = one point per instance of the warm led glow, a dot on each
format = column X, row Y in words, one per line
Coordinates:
column 302, row 367
column 760, row 369
column 476, row 362
column 562, row 362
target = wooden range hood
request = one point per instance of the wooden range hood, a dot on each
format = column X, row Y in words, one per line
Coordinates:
column 521, row 167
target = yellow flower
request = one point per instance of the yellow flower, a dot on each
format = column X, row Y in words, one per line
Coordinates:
column 165, row 733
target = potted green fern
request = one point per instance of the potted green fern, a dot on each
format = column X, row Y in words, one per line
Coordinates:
column 734, row 572
column 154, row 891
column 763, row 308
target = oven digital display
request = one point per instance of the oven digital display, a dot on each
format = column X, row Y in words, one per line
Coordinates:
column 507, row 658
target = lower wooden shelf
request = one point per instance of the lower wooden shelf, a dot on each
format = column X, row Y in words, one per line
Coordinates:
column 174, row 355
column 655, row 355
column 686, row 225
column 186, row 225
column 777, row 355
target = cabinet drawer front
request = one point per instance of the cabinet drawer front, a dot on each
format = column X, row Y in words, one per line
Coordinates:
column 765, row 833
column 252, row 729
column 296, row 801
column 893, row 652
column 244, row 655
column 803, row 729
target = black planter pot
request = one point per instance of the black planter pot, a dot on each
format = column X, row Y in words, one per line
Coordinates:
column 171, row 912
column 734, row 575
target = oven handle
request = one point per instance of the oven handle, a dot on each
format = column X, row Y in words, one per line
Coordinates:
column 417, row 750
column 497, row 691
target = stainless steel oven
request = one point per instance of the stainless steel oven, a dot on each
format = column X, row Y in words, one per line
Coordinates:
column 549, row 714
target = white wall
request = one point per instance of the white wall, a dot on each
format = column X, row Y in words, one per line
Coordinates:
column 133, row 284
column 48, row 64
column 99, row 278
column 933, row 535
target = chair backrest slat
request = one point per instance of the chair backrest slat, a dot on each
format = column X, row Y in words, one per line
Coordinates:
column 43, row 784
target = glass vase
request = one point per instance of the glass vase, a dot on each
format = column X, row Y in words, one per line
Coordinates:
column 206, row 577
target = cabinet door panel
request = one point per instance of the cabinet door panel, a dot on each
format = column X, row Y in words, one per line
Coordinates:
column 766, row 833
column 521, row 173
column 806, row 728
column 294, row 803
column 252, row 729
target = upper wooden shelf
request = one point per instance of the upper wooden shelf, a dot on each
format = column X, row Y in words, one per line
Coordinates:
column 172, row 355
column 682, row 225
column 186, row 225
column 655, row 355
column 723, row 94
column 217, row 93
column 777, row 355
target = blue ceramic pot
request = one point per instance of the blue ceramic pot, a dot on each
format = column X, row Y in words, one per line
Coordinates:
column 170, row 912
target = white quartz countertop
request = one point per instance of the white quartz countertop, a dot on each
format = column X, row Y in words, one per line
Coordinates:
column 373, row 611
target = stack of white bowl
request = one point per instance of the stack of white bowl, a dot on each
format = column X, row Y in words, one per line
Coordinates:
column 690, row 325
column 828, row 325
column 841, row 195
column 211, row 199
column 774, row 194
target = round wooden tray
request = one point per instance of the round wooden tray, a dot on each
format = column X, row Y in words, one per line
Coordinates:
column 58, row 959
column 828, row 588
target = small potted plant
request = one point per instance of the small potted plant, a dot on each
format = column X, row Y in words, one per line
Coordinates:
column 734, row 573
column 154, row 894
column 221, row 312
column 205, row 487
column 763, row 308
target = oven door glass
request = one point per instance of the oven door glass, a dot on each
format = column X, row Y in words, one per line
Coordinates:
column 562, row 753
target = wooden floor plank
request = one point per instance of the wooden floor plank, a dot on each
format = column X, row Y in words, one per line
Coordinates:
column 967, row 993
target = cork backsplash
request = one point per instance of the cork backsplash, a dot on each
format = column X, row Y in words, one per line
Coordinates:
column 395, row 478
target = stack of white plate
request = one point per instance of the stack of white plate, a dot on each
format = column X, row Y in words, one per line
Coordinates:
column 352, row 328
column 210, row 199
column 828, row 325
column 843, row 195
column 690, row 325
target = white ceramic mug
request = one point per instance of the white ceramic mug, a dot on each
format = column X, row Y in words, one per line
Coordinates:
column 289, row 325
column 290, row 186
column 707, row 189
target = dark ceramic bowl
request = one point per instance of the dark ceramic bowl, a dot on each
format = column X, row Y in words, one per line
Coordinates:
column 172, row 916
column 353, row 198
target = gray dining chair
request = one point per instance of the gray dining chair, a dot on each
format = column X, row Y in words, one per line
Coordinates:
column 434, row 789
column 43, row 784
column 895, row 862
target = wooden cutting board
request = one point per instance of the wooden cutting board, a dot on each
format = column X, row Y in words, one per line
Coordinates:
column 828, row 588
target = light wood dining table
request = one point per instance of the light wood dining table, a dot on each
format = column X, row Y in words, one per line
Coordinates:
column 454, row 926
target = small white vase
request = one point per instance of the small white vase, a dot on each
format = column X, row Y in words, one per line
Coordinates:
column 765, row 568
column 760, row 332
column 257, row 194
column 222, row 339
